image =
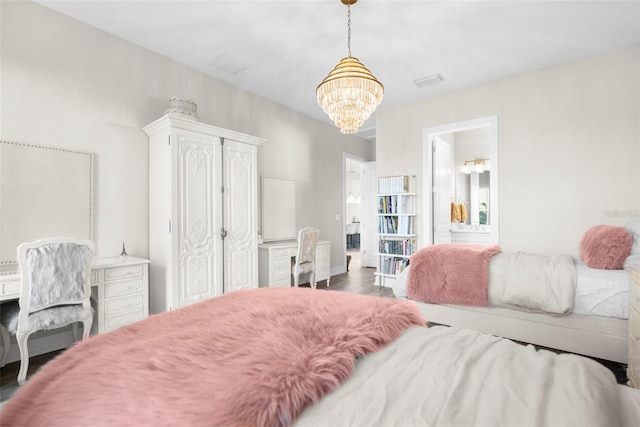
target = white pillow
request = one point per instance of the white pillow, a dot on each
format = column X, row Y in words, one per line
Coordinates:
column 633, row 227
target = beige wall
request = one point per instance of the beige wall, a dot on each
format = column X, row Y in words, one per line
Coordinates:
column 568, row 147
column 66, row 84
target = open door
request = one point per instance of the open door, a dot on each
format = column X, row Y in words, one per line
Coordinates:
column 369, row 221
column 441, row 191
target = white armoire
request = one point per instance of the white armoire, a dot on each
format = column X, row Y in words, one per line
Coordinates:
column 203, row 212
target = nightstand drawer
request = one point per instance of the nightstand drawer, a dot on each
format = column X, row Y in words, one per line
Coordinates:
column 634, row 297
column 119, row 273
column 634, row 360
column 633, row 377
column 634, row 325
column 116, row 289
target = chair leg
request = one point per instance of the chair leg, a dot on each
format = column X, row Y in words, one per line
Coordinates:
column 6, row 345
column 86, row 326
column 296, row 279
column 22, row 338
column 312, row 279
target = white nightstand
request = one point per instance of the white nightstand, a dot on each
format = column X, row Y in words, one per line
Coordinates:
column 633, row 366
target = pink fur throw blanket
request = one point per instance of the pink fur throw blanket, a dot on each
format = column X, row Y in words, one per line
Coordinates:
column 249, row 358
column 451, row 274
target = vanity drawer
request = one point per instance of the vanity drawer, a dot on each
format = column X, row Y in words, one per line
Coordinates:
column 323, row 252
column 282, row 253
column 94, row 276
column 125, row 287
column 282, row 282
column 281, row 273
column 123, row 305
column 10, row 288
column 119, row 273
column 323, row 259
column 322, row 265
column 115, row 322
column 281, row 268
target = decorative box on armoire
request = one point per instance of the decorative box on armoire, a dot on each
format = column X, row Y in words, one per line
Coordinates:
column 203, row 213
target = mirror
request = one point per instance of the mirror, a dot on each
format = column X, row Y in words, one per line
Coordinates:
column 472, row 165
column 278, row 209
column 44, row 192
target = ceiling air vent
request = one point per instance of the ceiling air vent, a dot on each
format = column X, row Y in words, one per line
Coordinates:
column 423, row 81
column 227, row 64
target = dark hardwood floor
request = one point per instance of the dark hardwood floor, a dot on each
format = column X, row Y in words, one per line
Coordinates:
column 358, row 280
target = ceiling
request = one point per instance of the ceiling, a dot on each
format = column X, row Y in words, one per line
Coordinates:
column 281, row 50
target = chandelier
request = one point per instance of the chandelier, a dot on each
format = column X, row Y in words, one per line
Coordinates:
column 350, row 93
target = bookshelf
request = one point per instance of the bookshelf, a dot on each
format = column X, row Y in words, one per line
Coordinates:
column 397, row 240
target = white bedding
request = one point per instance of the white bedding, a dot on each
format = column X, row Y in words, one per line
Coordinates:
column 525, row 281
column 459, row 377
column 598, row 292
column 602, row 292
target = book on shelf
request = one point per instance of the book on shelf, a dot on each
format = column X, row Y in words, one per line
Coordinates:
column 395, row 184
column 395, row 204
column 395, row 225
column 393, row 265
column 397, row 247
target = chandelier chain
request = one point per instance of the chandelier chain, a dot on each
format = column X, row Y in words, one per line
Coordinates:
column 349, row 28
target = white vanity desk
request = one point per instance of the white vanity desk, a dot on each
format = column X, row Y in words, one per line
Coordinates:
column 274, row 262
column 119, row 287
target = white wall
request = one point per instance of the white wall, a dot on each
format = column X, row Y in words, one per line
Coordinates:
column 66, row 84
column 568, row 147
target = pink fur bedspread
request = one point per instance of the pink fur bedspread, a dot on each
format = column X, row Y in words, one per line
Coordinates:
column 451, row 274
column 249, row 358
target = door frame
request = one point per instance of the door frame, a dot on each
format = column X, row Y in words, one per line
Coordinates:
column 368, row 222
column 427, row 171
column 438, row 175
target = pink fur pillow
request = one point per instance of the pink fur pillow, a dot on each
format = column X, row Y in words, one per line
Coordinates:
column 605, row 247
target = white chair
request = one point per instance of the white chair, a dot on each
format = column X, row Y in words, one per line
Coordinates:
column 56, row 291
column 305, row 261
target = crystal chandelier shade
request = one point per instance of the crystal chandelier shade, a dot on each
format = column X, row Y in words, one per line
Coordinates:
column 350, row 93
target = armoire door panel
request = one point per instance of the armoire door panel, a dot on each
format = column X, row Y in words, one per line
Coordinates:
column 196, row 271
column 240, row 276
column 240, row 198
column 199, row 225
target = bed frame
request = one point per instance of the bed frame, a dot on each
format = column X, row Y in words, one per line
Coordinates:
column 594, row 336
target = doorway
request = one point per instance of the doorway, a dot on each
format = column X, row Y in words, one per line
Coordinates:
column 442, row 165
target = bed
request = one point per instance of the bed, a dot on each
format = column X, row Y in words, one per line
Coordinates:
column 552, row 301
column 303, row 357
